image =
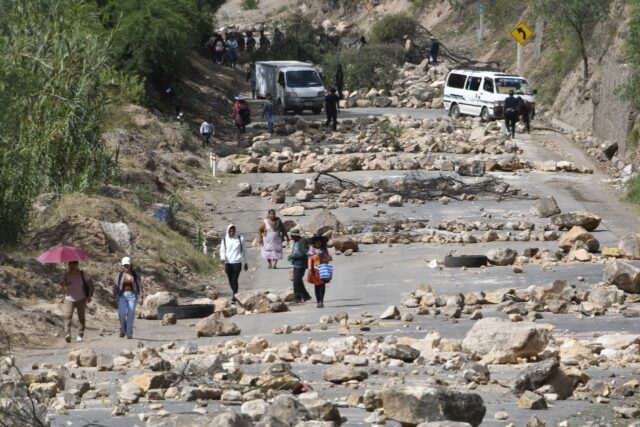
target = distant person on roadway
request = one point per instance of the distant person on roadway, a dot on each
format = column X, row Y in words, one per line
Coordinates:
column 511, row 108
column 340, row 81
column 128, row 292
column 241, row 113
column 77, row 290
column 206, row 131
column 251, row 42
column 299, row 259
column 232, row 254
column 271, row 233
column 523, row 111
column 320, row 255
column 434, row 51
column 332, row 108
column 267, row 112
column 264, row 41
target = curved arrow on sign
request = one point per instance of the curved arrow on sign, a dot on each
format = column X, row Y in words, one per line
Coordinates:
column 522, row 33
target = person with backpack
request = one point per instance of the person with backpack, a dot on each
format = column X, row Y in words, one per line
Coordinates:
column 77, row 290
column 267, row 112
column 232, row 254
column 299, row 259
column 320, row 271
column 128, row 291
column 241, row 113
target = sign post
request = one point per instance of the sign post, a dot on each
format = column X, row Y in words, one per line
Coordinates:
column 212, row 163
column 522, row 35
column 480, row 10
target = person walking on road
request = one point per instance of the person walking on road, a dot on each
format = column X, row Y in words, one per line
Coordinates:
column 232, row 254
column 271, row 233
column 206, row 131
column 523, row 111
column 241, row 113
column 77, row 289
column 332, row 108
column 511, row 114
column 128, row 291
column 320, row 257
column 267, row 112
column 340, row 81
column 299, row 259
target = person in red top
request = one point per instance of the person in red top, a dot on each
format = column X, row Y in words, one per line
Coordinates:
column 241, row 113
column 77, row 290
column 319, row 253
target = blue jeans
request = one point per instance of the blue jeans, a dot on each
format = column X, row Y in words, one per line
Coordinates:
column 127, row 312
column 269, row 117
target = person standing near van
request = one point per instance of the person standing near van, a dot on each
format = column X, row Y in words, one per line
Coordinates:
column 128, row 291
column 332, row 108
column 232, row 254
column 267, row 112
column 434, row 51
column 511, row 113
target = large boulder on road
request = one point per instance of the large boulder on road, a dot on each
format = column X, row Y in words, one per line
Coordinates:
column 589, row 221
column 623, row 275
column 152, row 302
column 629, row 246
column 502, row 256
column 344, row 243
column 216, row 326
column 579, row 234
column 323, row 222
column 411, row 406
column 545, row 207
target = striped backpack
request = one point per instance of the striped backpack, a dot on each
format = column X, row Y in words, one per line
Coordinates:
column 325, row 272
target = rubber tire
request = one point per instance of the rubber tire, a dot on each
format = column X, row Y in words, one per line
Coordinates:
column 187, row 311
column 317, row 110
column 298, row 111
column 469, row 261
column 484, row 114
column 454, row 111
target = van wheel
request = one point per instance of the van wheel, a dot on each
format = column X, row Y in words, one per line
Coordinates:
column 317, row 110
column 298, row 111
column 484, row 114
column 454, row 111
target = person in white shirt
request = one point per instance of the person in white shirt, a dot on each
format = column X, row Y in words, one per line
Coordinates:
column 232, row 253
column 206, row 130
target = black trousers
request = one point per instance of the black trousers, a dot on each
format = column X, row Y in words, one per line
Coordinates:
column 233, row 273
column 526, row 121
column 332, row 116
column 205, row 139
column 320, row 292
column 510, row 119
column 299, row 290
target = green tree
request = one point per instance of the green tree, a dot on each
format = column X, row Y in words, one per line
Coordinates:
column 632, row 47
column 392, row 28
column 52, row 56
column 577, row 16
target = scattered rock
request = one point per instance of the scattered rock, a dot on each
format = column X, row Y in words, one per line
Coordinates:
column 502, row 257
column 339, row 374
column 390, row 313
column 215, row 325
column 545, row 207
column 623, row 275
column 531, row 400
column 587, row 220
column 629, row 246
column 152, row 302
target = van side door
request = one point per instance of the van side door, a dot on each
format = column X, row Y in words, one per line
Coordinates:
column 281, row 88
column 472, row 96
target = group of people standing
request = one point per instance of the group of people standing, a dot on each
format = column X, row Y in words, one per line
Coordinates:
column 514, row 109
column 305, row 255
column 224, row 48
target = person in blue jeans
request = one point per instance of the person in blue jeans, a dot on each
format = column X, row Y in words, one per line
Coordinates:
column 128, row 291
column 267, row 112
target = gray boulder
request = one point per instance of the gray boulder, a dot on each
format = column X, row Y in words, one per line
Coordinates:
column 502, row 256
column 324, row 222
column 589, row 221
column 120, row 237
column 344, row 243
column 339, row 374
column 216, row 326
column 401, row 351
column 629, row 246
column 543, row 373
column 623, row 275
column 288, row 410
column 322, row 410
column 152, row 302
column 473, row 168
column 231, row 419
column 545, row 207
column 411, row 406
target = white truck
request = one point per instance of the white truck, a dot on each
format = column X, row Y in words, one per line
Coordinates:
column 482, row 93
column 294, row 86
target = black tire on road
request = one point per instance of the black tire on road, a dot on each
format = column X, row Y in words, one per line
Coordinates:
column 317, row 110
column 188, row 311
column 454, row 111
column 469, row 261
column 484, row 114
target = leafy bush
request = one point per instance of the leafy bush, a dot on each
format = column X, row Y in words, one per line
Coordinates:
column 392, row 28
column 249, row 4
column 370, row 66
column 633, row 190
column 54, row 101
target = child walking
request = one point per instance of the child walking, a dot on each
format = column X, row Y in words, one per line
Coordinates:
column 267, row 112
column 320, row 271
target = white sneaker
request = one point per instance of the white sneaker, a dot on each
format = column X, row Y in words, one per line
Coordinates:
column 79, row 339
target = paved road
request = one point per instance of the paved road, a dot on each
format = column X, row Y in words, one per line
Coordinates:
column 380, row 275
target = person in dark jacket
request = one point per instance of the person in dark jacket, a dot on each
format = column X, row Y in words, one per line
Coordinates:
column 511, row 114
column 264, row 41
column 299, row 259
column 523, row 110
column 251, row 42
column 433, row 51
column 340, row 81
column 332, row 108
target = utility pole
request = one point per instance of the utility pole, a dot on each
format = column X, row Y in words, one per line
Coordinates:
column 519, row 58
column 480, row 10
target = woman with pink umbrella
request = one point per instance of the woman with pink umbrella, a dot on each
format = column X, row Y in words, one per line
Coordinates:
column 76, row 285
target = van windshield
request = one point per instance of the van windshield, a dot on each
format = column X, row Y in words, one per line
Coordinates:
column 519, row 86
column 303, row 78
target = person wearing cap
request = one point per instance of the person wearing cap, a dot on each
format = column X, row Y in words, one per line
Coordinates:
column 241, row 113
column 299, row 259
column 232, row 253
column 128, row 291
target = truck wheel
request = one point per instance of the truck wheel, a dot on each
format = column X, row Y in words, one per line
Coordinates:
column 317, row 110
column 298, row 111
column 484, row 114
column 454, row 111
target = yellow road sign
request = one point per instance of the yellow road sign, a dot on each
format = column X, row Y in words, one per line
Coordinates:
column 522, row 33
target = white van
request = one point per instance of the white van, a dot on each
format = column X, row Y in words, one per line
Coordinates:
column 482, row 93
column 294, row 85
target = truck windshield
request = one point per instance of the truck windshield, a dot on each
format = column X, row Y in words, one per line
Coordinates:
column 519, row 86
column 303, row 78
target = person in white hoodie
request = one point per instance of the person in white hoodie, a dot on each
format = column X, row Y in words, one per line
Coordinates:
column 232, row 253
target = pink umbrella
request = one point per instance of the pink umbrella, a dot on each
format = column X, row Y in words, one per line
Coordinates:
column 62, row 254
